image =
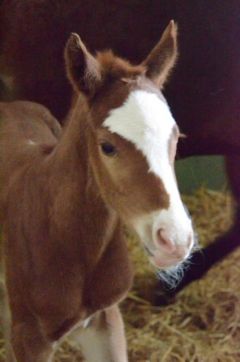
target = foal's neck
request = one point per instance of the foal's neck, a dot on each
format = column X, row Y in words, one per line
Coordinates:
column 79, row 210
column 72, row 146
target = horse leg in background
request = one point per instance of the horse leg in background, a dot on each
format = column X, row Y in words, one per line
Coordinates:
column 103, row 340
column 202, row 260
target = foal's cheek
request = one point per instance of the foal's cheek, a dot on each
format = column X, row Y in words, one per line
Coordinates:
column 107, row 174
column 127, row 185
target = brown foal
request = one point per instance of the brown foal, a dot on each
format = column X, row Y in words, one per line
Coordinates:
column 66, row 192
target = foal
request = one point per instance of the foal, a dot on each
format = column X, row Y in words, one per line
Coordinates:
column 65, row 194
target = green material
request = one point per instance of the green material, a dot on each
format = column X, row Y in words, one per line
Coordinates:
column 207, row 171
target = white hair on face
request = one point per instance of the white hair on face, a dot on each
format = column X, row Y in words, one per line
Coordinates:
column 173, row 276
column 146, row 121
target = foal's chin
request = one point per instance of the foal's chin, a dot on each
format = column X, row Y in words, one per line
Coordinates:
column 161, row 261
column 170, row 270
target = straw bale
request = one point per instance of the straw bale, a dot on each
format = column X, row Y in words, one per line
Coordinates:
column 203, row 325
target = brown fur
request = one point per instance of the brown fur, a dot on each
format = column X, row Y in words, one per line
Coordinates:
column 116, row 67
column 64, row 202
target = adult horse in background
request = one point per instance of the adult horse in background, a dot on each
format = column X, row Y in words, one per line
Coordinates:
column 65, row 194
column 204, row 92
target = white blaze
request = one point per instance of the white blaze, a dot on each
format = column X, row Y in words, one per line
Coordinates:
column 146, row 121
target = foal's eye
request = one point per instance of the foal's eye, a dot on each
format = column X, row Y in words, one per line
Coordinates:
column 108, row 149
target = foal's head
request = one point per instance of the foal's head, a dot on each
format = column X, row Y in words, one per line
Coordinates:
column 132, row 141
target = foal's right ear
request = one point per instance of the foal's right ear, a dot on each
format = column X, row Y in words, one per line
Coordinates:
column 83, row 69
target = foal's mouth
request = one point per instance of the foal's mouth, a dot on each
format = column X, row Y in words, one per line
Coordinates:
column 171, row 274
column 164, row 262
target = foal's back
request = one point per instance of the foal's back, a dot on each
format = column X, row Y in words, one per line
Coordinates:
column 28, row 132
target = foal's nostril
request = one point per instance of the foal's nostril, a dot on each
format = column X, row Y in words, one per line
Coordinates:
column 165, row 242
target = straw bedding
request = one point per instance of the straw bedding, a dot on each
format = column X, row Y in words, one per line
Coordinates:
column 203, row 325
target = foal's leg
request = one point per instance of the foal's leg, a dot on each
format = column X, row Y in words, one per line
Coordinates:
column 28, row 343
column 104, row 339
column 5, row 319
column 23, row 342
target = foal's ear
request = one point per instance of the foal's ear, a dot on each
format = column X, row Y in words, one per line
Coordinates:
column 162, row 58
column 83, row 70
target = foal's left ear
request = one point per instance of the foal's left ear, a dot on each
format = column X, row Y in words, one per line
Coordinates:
column 163, row 57
column 83, row 69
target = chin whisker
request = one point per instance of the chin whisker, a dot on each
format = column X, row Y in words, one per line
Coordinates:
column 171, row 277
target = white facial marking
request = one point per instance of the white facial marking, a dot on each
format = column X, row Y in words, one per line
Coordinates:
column 146, row 121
